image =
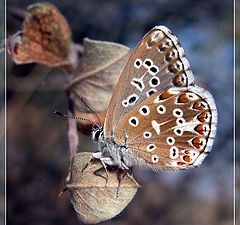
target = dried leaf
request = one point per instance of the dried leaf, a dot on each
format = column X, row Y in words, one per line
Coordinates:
column 94, row 200
column 45, row 38
column 100, row 67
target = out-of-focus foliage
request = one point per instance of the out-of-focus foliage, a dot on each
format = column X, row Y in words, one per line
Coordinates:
column 37, row 160
column 45, row 37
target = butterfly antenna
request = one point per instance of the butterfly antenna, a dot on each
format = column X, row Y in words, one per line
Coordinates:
column 82, row 100
column 73, row 117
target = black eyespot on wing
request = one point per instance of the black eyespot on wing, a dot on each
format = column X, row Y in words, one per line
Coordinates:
column 144, row 110
column 153, row 69
column 134, row 121
column 148, row 63
column 132, row 99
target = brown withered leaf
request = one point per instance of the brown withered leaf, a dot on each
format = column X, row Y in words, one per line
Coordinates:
column 45, row 37
column 100, row 67
column 93, row 199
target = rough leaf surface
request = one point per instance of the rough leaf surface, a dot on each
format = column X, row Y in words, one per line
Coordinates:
column 100, row 67
column 45, row 37
column 94, row 200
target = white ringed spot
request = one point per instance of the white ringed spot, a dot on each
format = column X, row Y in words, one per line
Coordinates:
column 180, row 121
column 151, row 147
column 161, row 109
column 178, row 112
column 133, row 121
column 192, row 96
column 154, row 81
column 174, row 152
column 147, row 134
column 132, row 99
column 155, row 159
column 151, row 92
column 144, row 110
column 124, row 103
column 137, row 63
column 153, row 70
column 147, row 63
column 178, row 131
column 170, row 140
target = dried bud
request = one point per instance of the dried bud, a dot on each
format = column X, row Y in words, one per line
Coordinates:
column 94, row 199
column 100, row 67
column 45, row 38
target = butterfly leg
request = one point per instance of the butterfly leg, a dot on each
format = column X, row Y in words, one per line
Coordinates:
column 96, row 155
column 121, row 175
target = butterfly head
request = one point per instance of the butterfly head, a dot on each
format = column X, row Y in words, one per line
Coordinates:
column 97, row 133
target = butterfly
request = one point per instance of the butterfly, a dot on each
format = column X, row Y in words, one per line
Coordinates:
column 157, row 117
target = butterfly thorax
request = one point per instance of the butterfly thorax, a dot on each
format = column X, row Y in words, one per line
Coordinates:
column 112, row 153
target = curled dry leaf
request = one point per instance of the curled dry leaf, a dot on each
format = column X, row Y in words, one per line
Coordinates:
column 100, row 67
column 93, row 199
column 45, row 38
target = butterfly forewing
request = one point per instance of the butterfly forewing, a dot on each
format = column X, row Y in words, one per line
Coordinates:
column 172, row 129
column 157, row 63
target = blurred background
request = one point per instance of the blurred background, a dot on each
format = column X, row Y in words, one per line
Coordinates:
column 37, row 157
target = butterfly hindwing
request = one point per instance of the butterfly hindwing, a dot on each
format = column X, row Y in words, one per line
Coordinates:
column 173, row 129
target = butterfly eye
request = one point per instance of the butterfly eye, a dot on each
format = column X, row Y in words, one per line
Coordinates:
column 155, row 81
column 177, row 112
column 138, row 63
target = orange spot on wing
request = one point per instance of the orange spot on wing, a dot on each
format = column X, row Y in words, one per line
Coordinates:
column 180, row 163
column 165, row 95
column 200, row 129
column 203, row 117
column 198, row 142
column 183, row 98
column 198, row 106
column 187, row 158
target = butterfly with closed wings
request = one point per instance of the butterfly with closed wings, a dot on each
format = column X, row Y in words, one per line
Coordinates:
column 157, row 117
